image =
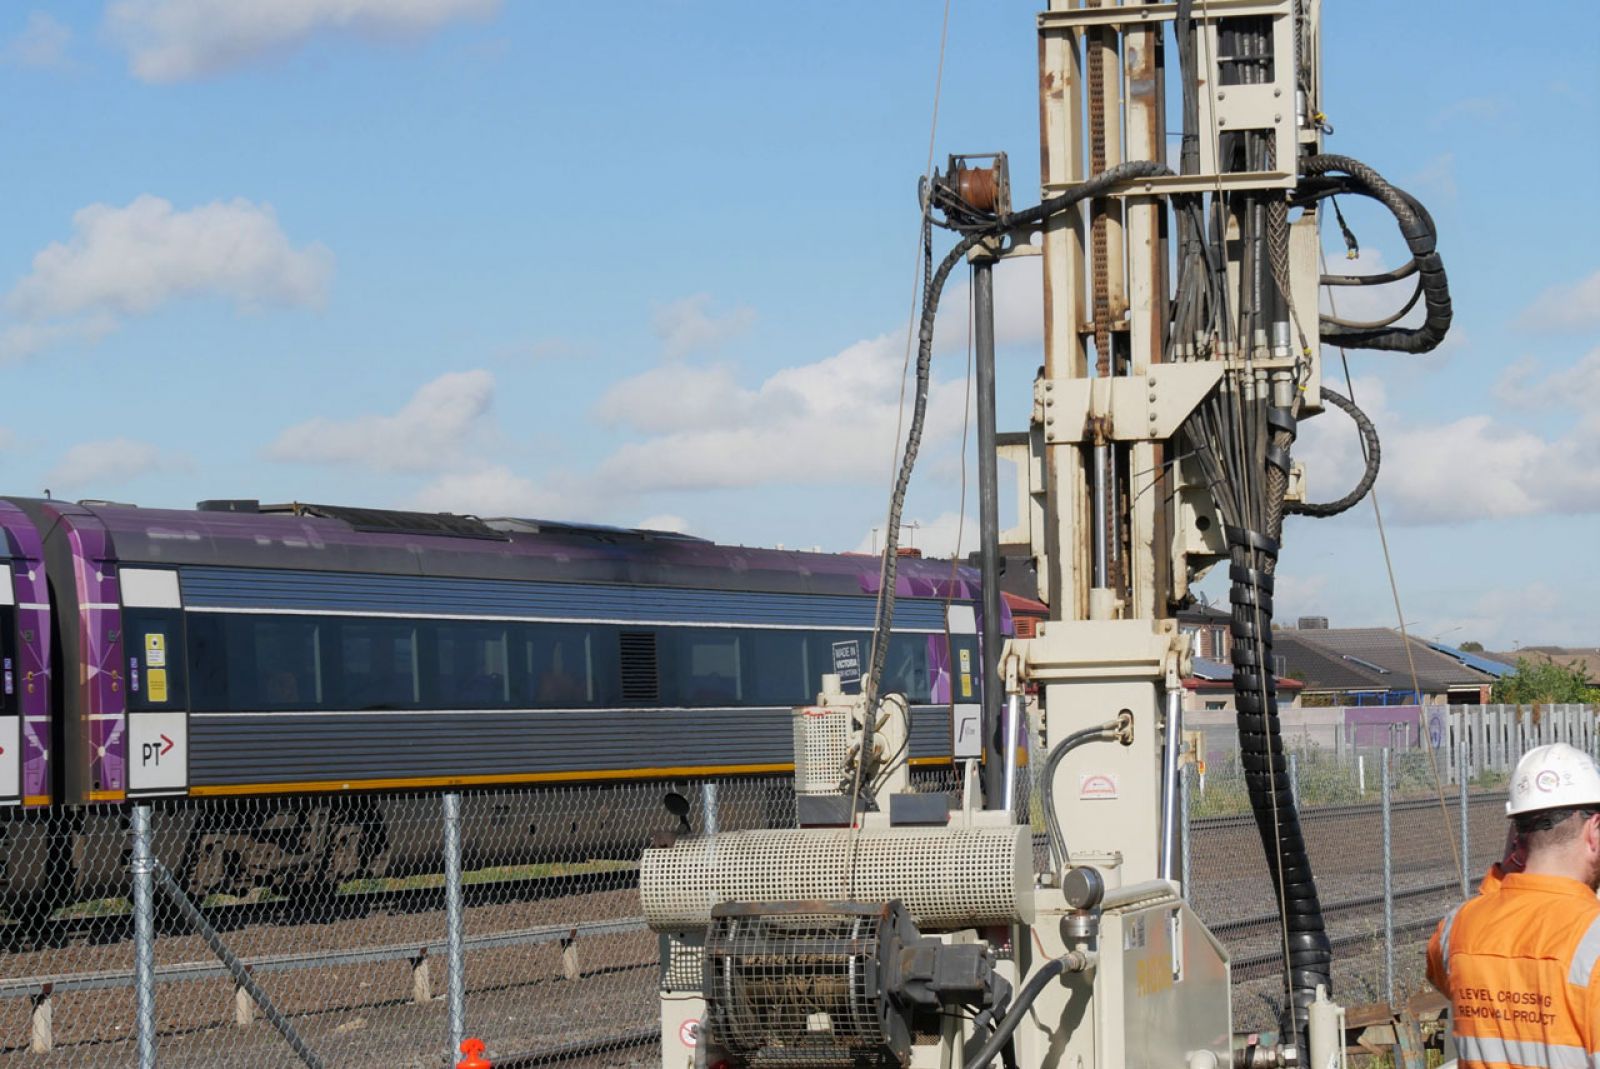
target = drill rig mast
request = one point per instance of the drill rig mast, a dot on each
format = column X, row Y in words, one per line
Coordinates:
column 1182, row 348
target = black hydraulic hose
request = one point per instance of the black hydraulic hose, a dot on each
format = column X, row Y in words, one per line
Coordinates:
column 1253, row 557
column 1052, row 822
column 1399, row 274
column 1372, row 449
column 1019, row 1009
column 1421, row 238
column 1093, row 186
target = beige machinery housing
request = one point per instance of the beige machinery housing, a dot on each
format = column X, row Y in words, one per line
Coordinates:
column 1181, row 347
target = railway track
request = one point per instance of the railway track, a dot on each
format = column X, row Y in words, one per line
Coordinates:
column 116, row 923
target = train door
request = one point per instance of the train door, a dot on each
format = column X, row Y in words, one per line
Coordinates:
column 25, row 699
column 157, row 663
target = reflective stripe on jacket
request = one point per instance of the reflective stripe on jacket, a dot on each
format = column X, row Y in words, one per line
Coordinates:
column 1521, row 966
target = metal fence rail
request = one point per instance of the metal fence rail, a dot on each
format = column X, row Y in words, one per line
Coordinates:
column 375, row 936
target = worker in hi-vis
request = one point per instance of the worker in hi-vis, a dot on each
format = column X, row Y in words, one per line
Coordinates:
column 1521, row 963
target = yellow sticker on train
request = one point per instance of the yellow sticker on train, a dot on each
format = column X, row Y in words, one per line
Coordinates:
column 155, row 650
column 966, row 685
column 156, row 685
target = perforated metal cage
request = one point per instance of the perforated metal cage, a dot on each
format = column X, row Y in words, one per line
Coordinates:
column 821, row 746
column 947, row 877
column 806, row 984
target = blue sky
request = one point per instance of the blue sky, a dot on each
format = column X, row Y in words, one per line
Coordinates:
column 653, row 263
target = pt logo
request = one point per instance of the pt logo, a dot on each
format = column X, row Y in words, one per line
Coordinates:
column 152, row 752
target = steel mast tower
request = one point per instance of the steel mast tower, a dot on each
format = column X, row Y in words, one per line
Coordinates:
column 1182, row 349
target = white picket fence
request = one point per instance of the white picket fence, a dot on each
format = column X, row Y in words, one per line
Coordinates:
column 1490, row 738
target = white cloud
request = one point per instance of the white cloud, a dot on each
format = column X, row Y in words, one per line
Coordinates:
column 665, row 521
column 1502, row 618
column 829, row 421
column 1569, row 307
column 430, row 433
column 1018, row 306
column 493, row 490
column 129, row 261
column 177, row 40
column 1474, row 467
column 42, row 43
column 688, row 326
column 1577, row 386
column 21, row 340
column 105, row 465
column 946, row 535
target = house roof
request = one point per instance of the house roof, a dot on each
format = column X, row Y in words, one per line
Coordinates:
column 1585, row 657
column 1208, row 674
column 1371, row 658
column 1204, row 614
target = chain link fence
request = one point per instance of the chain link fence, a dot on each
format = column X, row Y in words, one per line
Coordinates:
column 377, row 930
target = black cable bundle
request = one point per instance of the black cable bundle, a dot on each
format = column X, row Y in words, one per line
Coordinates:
column 1241, row 437
column 1328, row 175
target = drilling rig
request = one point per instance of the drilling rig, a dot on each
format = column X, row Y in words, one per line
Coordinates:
column 1182, row 348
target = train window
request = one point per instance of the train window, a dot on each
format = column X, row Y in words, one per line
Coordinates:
column 704, row 669
column 254, row 662
column 378, row 662
column 563, row 666
column 907, row 669
column 157, row 676
column 470, row 666
column 776, row 670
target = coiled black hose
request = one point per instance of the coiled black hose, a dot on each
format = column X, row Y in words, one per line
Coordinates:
column 1416, row 226
column 1372, row 449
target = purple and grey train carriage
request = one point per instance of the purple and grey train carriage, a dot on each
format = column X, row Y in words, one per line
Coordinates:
column 275, row 653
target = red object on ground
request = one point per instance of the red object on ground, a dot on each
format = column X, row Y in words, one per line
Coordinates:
column 473, row 1049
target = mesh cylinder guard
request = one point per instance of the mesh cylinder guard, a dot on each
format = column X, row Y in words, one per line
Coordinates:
column 946, row 877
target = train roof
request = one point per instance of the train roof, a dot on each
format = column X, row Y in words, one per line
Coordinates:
column 245, row 534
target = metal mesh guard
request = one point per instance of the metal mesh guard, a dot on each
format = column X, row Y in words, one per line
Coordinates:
column 946, row 877
column 821, row 743
column 798, row 988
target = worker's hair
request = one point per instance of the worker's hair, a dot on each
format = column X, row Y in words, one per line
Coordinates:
column 1552, row 827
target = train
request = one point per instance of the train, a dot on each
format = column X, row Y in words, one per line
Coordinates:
column 315, row 663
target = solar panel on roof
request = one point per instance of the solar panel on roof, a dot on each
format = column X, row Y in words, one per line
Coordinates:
column 1482, row 664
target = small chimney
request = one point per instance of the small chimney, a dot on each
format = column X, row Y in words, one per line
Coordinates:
column 1312, row 623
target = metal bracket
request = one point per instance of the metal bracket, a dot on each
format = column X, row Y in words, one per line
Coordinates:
column 1137, row 408
column 1101, row 650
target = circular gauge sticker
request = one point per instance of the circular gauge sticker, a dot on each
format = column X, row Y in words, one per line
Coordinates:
column 689, row 1032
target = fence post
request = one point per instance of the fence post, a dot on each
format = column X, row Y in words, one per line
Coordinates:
column 1183, row 828
column 1361, row 774
column 454, row 955
column 144, row 937
column 1388, row 886
column 1294, row 778
column 708, row 807
column 1466, row 859
column 42, row 1039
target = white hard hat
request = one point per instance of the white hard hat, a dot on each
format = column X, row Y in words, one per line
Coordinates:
column 1557, row 776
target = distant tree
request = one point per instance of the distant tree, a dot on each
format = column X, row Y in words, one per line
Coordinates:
column 1534, row 682
column 1470, row 646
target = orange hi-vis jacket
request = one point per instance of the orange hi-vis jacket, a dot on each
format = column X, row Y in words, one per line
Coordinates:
column 1521, row 966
